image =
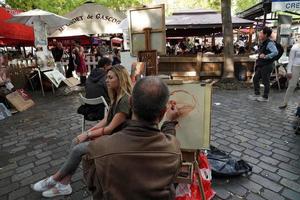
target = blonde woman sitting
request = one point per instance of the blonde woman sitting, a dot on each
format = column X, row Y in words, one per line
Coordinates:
column 119, row 88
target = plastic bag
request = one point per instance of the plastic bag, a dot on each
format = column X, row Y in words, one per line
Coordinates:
column 191, row 191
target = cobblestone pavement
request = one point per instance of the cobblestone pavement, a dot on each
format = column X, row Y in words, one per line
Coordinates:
column 33, row 145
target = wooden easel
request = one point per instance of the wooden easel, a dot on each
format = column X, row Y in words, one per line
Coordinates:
column 149, row 57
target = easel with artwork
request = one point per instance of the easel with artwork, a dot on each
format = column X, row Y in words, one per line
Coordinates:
column 148, row 38
column 193, row 101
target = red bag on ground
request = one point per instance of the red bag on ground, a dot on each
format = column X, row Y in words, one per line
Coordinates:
column 191, row 191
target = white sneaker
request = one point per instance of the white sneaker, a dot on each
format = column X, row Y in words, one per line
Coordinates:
column 262, row 99
column 58, row 190
column 253, row 97
column 44, row 184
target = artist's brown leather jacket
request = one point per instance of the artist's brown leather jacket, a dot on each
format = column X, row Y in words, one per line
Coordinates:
column 138, row 163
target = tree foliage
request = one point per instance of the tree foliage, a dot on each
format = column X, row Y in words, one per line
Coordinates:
column 241, row 5
column 62, row 7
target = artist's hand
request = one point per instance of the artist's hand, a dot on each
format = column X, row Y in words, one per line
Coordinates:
column 262, row 56
column 172, row 113
column 289, row 76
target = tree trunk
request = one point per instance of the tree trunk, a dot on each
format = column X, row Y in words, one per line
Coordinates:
column 228, row 39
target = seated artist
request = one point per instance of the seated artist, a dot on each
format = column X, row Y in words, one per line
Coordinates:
column 140, row 161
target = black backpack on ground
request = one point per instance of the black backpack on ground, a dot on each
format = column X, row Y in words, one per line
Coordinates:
column 222, row 165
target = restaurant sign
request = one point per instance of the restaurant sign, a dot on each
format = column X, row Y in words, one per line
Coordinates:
column 285, row 5
column 97, row 16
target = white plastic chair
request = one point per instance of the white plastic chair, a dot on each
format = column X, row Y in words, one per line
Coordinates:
column 94, row 101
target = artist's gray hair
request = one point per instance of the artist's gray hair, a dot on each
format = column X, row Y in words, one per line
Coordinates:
column 149, row 97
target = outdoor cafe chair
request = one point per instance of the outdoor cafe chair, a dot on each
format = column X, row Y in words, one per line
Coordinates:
column 94, row 101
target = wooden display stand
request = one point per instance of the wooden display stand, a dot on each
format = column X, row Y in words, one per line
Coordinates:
column 149, row 57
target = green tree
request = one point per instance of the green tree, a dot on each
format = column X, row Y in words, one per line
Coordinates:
column 228, row 39
column 62, row 7
column 241, row 5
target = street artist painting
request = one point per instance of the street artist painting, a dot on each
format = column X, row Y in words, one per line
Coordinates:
column 193, row 102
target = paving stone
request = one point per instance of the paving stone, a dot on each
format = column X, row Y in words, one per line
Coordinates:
column 8, row 167
column 40, row 168
column 280, row 157
column 286, row 153
column 247, row 145
column 263, row 151
column 266, row 183
column 237, row 147
column 252, row 153
column 267, row 167
column 280, row 146
column 9, row 188
column 22, row 175
column 26, row 160
column 290, row 194
column 4, row 182
column 270, row 195
column 43, row 154
column 237, row 189
column 289, row 168
column 295, row 163
column 9, row 143
column 19, row 193
column 288, row 175
column 251, row 186
column 253, row 196
column 222, row 193
column 269, row 160
column 25, row 167
column 272, row 176
column 6, row 174
column 250, row 159
column 290, row 184
column 43, row 160
column 256, row 169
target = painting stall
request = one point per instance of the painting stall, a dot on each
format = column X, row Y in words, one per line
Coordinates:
column 43, row 22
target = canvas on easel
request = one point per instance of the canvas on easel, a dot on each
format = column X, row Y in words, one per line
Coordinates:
column 194, row 105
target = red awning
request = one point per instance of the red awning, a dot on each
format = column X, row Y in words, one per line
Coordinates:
column 13, row 33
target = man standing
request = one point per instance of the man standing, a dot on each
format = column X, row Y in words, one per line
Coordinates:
column 141, row 161
column 58, row 52
column 264, row 65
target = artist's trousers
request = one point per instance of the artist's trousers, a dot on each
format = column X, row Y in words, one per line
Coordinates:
column 264, row 74
column 292, row 84
column 70, row 165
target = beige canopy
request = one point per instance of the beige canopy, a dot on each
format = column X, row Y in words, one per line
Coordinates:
column 91, row 18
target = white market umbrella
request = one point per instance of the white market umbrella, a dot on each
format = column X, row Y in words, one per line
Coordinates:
column 50, row 19
column 42, row 22
column 90, row 19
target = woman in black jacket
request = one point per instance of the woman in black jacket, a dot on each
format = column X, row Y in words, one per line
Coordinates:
column 95, row 87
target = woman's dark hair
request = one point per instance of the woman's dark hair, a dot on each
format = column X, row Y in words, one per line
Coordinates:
column 267, row 31
column 104, row 61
